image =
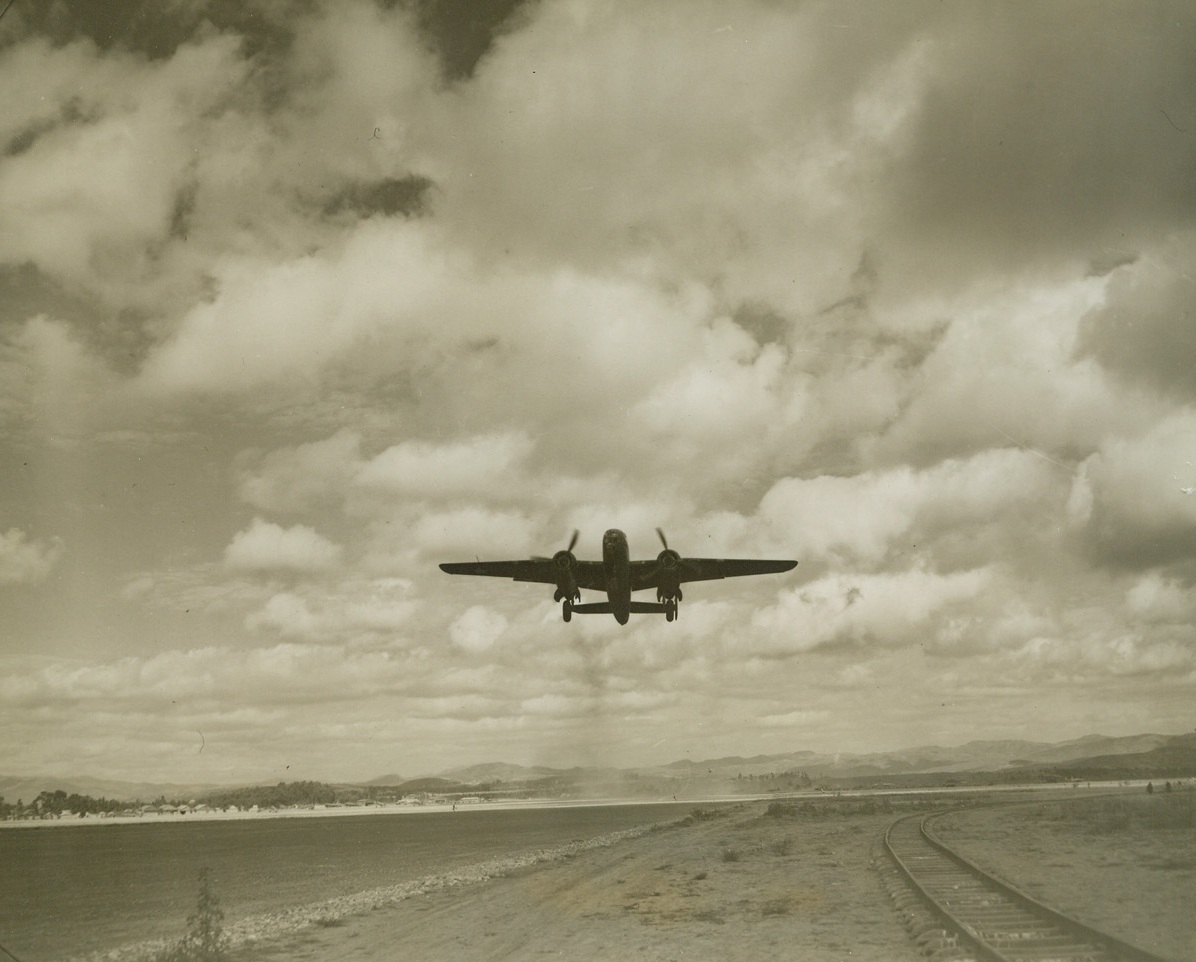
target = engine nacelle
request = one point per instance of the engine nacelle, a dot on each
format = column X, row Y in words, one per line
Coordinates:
column 668, row 575
column 566, row 580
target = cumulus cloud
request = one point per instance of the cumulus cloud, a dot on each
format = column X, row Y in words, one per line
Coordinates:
column 304, row 476
column 861, row 519
column 1146, row 328
column 476, row 629
column 887, row 610
column 23, row 561
column 352, row 612
column 103, row 148
column 265, row 546
column 1132, row 499
column 489, row 465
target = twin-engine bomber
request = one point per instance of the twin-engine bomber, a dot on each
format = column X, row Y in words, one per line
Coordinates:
column 618, row 576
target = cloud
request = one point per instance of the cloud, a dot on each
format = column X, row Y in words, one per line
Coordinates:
column 302, row 477
column 862, row 519
column 353, row 612
column 1156, row 599
column 1132, row 500
column 1006, row 371
column 889, row 610
column 265, row 546
column 476, row 629
column 1042, row 135
column 100, row 146
column 1146, row 328
column 490, row 465
column 25, row 562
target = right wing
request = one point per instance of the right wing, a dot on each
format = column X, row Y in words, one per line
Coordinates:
column 587, row 573
column 649, row 574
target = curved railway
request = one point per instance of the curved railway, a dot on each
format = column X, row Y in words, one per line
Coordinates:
column 956, row 911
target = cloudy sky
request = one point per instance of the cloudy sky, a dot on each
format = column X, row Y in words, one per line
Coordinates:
column 299, row 298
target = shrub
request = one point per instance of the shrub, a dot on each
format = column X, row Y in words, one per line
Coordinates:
column 205, row 940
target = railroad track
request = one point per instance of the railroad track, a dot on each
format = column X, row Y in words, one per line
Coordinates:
column 956, row 911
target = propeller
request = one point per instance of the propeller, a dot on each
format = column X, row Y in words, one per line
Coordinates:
column 667, row 558
column 568, row 550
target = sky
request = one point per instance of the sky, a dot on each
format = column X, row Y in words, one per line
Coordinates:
column 299, row 299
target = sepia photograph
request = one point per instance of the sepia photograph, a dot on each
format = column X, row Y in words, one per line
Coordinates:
column 597, row 479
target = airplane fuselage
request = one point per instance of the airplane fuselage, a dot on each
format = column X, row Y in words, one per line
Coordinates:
column 616, row 566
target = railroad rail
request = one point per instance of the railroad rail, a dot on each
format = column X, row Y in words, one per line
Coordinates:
column 957, row 911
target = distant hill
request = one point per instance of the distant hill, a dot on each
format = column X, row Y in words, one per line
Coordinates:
column 14, row 787
column 498, row 772
column 1173, row 757
column 386, row 780
column 971, row 757
column 1094, row 756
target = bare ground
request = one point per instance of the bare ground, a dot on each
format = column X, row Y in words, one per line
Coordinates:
column 1125, row 865
column 737, row 885
column 742, row 884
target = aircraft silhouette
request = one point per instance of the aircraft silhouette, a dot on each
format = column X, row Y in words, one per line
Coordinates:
column 618, row 576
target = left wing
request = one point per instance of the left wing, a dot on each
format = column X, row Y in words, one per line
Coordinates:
column 588, row 574
column 647, row 574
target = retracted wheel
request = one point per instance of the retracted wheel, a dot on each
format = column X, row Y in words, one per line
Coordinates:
column 567, row 610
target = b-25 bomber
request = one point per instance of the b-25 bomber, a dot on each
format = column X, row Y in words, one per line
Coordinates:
column 618, row 576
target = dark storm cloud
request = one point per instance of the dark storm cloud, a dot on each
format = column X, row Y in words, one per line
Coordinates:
column 1048, row 130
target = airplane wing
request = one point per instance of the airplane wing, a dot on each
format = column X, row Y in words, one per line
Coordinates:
column 646, row 574
column 542, row 571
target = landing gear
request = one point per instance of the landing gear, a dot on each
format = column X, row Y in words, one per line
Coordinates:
column 567, row 610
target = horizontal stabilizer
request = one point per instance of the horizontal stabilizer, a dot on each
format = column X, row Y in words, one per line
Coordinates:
column 595, row 608
column 635, row 608
column 647, row 608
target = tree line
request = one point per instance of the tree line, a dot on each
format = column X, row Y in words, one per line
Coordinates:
column 58, row 802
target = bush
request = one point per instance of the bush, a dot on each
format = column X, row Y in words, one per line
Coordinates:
column 205, row 940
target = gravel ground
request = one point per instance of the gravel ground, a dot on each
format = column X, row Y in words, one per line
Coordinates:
column 1125, row 865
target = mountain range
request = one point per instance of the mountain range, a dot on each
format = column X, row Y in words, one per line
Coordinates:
column 1150, row 754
